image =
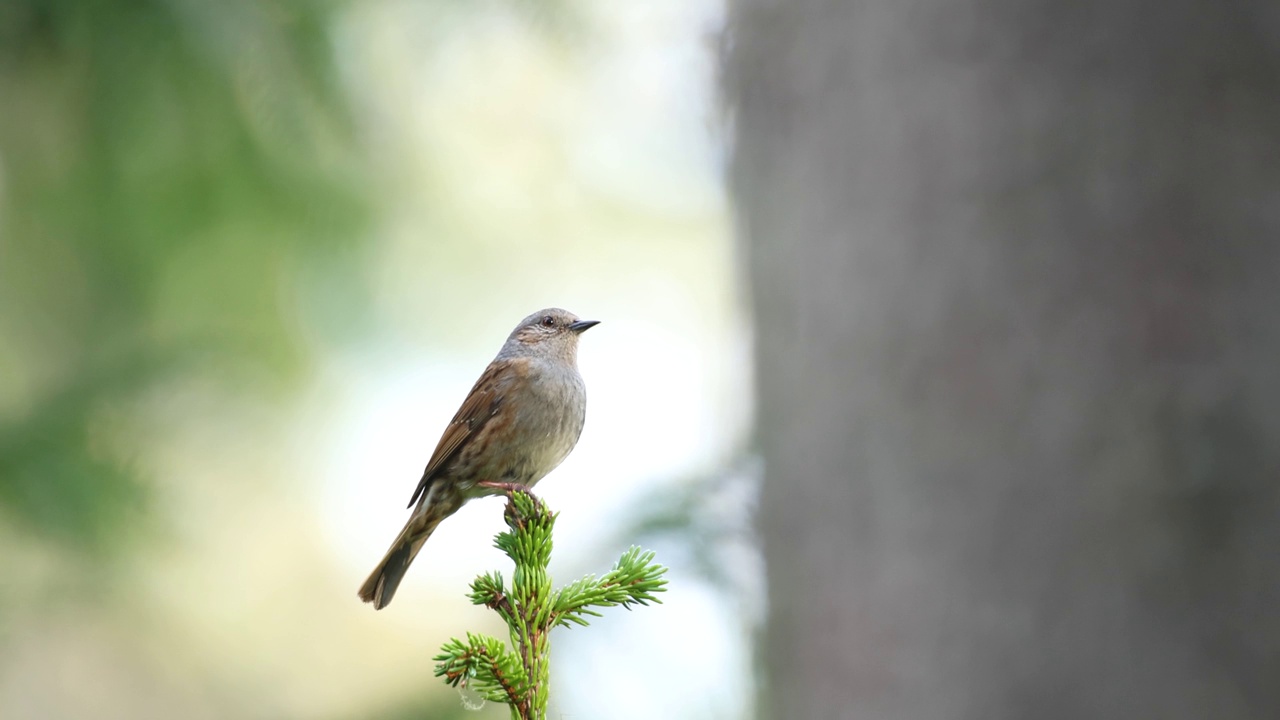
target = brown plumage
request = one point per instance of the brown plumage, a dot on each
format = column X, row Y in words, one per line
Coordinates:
column 520, row 420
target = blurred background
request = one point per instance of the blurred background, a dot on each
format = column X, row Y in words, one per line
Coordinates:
column 957, row 317
column 1013, row 271
column 252, row 257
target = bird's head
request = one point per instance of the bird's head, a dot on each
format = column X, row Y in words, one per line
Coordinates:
column 550, row 332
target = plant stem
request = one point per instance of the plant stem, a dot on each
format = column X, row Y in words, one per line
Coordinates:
column 520, row 676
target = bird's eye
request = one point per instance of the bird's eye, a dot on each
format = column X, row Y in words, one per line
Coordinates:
column 548, row 321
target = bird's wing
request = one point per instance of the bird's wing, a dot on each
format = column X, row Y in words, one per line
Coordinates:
column 481, row 404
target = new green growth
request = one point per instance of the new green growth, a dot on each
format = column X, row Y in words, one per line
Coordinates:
column 518, row 675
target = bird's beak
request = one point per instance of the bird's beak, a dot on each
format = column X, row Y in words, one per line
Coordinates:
column 579, row 326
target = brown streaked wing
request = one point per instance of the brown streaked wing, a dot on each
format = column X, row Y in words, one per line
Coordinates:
column 481, row 403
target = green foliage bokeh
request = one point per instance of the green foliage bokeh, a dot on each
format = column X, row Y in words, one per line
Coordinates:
column 168, row 172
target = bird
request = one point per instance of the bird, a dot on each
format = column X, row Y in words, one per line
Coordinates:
column 521, row 419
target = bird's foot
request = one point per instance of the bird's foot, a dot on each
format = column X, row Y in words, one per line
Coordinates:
column 510, row 490
column 506, row 487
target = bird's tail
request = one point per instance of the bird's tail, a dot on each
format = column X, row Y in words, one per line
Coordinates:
column 385, row 578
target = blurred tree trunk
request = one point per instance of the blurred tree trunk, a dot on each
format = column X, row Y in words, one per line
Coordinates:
column 1016, row 274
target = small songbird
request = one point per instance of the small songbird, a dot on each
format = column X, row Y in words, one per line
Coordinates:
column 520, row 420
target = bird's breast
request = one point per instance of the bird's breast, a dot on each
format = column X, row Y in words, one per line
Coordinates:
column 546, row 414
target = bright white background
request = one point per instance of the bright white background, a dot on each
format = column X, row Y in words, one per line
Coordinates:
column 574, row 163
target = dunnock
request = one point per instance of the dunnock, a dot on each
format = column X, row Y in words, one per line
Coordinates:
column 520, row 420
